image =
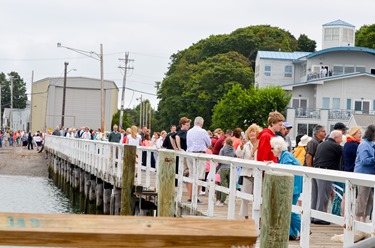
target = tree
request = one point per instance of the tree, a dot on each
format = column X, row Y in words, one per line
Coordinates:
column 19, row 91
column 241, row 107
column 193, row 90
column 305, row 44
column 365, row 36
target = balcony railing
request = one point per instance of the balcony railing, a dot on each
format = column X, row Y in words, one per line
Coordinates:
column 340, row 114
column 307, row 113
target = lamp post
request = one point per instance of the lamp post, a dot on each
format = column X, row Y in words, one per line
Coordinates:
column 98, row 57
column 64, row 93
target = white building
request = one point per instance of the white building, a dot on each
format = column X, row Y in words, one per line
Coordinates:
column 82, row 104
column 327, row 86
column 20, row 120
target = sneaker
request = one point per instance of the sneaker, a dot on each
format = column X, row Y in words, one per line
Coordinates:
column 199, row 201
column 219, row 204
column 202, row 193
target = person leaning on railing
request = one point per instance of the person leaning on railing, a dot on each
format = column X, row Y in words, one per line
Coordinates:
column 280, row 150
column 248, row 150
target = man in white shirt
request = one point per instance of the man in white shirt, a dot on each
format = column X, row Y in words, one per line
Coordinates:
column 197, row 140
column 86, row 135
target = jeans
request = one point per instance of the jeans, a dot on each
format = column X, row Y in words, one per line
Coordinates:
column 295, row 222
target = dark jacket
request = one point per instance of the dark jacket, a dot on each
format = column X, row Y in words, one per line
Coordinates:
column 328, row 155
column 349, row 154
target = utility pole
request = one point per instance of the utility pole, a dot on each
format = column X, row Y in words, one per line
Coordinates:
column 31, row 99
column 140, row 112
column 64, row 95
column 11, row 103
column 146, row 115
column 126, row 68
column 102, row 87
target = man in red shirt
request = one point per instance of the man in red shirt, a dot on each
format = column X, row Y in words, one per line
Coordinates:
column 275, row 123
column 220, row 142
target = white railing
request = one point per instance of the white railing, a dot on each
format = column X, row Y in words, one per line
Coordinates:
column 105, row 161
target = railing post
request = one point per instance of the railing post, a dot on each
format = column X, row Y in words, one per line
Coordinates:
column 211, row 189
column 166, row 174
column 349, row 214
column 232, row 191
column 276, row 211
column 127, row 183
column 257, row 197
column 306, row 212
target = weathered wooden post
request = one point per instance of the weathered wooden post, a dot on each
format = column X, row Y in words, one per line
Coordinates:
column 166, row 176
column 276, row 210
column 128, row 173
column 107, row 197
column 99, row 195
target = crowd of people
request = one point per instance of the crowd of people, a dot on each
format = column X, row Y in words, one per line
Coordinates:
column 341, row 149
column 21, row 138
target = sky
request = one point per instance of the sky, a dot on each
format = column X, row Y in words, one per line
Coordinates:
column 150, row 30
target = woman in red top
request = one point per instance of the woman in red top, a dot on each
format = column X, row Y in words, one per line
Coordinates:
column 275, row 123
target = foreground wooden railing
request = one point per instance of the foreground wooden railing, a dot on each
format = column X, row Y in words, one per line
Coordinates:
column 20, row 229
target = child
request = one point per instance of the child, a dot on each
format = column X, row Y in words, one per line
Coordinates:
column 224, row 170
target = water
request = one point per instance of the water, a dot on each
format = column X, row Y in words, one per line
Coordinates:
column 32, row 195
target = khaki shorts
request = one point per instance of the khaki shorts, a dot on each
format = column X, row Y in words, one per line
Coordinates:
column 201, row 166
column 364, row 201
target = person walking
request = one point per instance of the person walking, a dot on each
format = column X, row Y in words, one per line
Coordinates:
column 30, row 141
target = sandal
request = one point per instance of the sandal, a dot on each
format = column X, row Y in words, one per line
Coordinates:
column 293, row 238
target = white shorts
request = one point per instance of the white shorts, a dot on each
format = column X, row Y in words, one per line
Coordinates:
column 201, row 166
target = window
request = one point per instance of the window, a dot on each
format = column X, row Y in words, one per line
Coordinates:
column 362, row 106
column 347, row 35
column 288, row 71
column 331, row 34
column 348, row 104
column 325, row 103
column 267, row 70
column 349, row 69
column 306, row 129
column 360, row 69
column 338, row 70
column 299, row 103
column 335, row 103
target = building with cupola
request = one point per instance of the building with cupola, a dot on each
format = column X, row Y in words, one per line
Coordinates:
column 331, row 85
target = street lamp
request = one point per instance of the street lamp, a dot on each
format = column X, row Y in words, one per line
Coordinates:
column 64, row 93
column 98, row 57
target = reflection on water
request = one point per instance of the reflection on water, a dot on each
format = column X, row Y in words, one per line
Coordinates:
column 32, row 195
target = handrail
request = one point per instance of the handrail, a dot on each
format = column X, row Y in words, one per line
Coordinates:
column 90, row 155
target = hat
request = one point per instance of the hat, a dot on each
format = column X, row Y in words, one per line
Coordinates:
column 340, row 126
column 287, row 125
column 304, row 140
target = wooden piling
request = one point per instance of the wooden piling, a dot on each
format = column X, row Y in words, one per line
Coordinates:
column 166, row 177
column 92, row 190
column 128, row 174
column 117, row 194
column 99, row 194
column 276, row 210
column 107, row 197
column 87, row 184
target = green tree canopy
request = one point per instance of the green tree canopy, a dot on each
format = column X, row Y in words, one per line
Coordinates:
column 193, row 90
column 19, row 91
column 241, row 107
column 365, row 36
column 305, row 44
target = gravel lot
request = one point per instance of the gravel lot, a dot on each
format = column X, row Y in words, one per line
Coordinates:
column 22, row 162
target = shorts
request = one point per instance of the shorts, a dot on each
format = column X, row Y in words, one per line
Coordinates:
column 201, row 166
column 364, row 201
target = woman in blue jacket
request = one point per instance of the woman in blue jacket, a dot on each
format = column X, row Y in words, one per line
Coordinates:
column 280, row 150
column 365, row 163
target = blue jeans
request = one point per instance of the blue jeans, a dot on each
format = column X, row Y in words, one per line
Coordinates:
column 295, row 222
column 10, row 140
column 1, row 142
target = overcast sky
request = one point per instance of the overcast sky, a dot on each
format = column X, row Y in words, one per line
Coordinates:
column 149, row 30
